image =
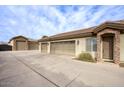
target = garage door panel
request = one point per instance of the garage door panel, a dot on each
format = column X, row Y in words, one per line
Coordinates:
column 21, row 45
column 33, row 46
column 65, row 47
column 44, row 47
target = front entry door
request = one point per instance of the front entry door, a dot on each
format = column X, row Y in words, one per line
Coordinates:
column 108, row 47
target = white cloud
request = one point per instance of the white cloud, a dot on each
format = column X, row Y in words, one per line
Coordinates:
column 35, row 21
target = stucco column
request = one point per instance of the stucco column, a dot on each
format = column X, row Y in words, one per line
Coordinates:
column 40, row 46
column 76, row 48
column 48, row 48
column 14, row 45
column 117, row 47
column 98, row 55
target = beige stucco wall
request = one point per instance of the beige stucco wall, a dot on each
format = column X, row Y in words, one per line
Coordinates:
column 40, row 46
column 81, row 47
column 48, row 48
column 12, row 43
column 122, row 48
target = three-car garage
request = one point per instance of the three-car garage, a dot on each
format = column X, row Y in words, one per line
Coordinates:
column 62, row 47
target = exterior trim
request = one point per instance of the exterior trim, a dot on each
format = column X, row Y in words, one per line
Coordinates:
column 17, row 37
column 66, row 37
column 101, row 27
column 116, row 49
column 85, row 32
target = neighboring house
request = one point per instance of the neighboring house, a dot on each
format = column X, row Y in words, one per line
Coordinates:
column 5, row 47
column 23, row 43
column 104, row 42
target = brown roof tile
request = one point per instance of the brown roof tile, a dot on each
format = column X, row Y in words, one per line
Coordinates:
column 86, row 32
column 70, row 35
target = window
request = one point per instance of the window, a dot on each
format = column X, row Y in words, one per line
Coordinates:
column 88, row 44
column 94, row 44
column 91, row 44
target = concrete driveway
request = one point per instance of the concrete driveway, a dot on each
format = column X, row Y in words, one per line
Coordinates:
column 32, row 68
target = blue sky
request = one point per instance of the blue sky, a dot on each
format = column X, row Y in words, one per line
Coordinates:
column 36, row 21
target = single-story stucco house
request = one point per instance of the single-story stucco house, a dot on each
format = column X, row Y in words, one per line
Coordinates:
column 23, row 43
column 104, row 42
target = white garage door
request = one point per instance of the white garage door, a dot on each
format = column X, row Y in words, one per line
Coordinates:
column 21, row 45
column 44, row 47
column 64, row 47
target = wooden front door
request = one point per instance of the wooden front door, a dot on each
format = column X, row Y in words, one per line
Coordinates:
column 108, row 47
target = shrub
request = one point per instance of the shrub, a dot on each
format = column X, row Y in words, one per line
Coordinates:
column 86, row 57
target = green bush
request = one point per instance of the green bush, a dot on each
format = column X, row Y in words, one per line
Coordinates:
column 86, row 57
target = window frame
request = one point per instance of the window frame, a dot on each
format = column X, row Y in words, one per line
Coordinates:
column 91, row 44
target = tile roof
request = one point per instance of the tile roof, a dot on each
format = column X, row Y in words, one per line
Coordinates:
column 29, row 39
column 70, row 35
column 86, row 32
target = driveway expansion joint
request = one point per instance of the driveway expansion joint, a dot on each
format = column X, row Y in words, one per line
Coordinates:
column 72, row 80
column 35, row 71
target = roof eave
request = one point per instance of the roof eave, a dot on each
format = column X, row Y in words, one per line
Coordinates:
column 118, row 26
column 67, row 37
column 16, row 37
